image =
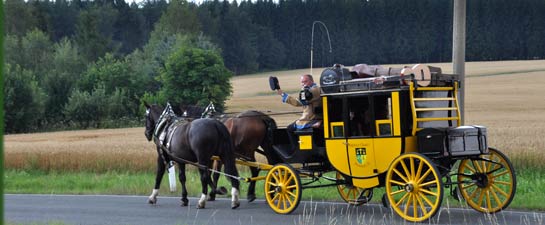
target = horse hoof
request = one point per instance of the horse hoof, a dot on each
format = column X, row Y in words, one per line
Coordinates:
column 199, row 206
column 235, row 205
column 212, row 198
column 152, row 201
column 185, row 202
column 221, row 191
column 251, row 198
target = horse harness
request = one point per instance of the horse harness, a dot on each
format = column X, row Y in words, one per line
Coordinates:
column 169, row 122
column 166, row 126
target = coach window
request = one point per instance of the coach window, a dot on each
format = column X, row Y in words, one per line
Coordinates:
column 382, row 105
column 358, row 116
column 335, row 117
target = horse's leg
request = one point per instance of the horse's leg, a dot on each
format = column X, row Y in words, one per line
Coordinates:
column 182, row 178
column 152, row 199
column 230, row 168
column 216, row 165
column 251, row 187
column 205, row 179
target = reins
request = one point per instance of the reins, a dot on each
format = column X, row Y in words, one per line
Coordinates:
column 200, row 166
column 222, row 115
column 208, row 112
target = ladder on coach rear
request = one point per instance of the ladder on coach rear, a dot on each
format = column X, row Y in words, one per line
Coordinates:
column 453, row 109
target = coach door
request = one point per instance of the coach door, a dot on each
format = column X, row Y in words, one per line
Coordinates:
column 349, row 142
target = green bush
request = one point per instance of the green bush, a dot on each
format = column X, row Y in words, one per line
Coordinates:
column 195, row 76
column 23, row 100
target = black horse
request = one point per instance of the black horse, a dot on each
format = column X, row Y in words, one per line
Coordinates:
column 190, row 142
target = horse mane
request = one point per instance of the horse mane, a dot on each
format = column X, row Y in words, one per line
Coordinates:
column 192, row 111
column 177, row 110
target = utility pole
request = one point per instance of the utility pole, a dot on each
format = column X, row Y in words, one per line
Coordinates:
column 459, row 49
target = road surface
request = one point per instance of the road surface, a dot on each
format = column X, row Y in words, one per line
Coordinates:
column 115, row 209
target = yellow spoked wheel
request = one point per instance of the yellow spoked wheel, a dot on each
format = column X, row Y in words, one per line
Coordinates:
column 414, row 187
column 283, row 189
column 353, row 195
column 488, row 184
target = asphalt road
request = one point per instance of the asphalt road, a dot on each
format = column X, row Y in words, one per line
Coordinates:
column 114, row 209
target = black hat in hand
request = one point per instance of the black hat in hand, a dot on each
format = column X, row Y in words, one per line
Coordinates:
column 273, row 83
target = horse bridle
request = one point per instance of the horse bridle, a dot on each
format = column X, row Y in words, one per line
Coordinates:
column 162, row 122
column 209, row 111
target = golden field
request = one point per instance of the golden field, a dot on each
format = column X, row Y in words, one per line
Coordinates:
column 507, row 97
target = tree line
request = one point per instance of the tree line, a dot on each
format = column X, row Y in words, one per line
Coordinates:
column 90, row 63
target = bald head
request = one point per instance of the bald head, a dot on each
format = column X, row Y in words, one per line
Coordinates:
column 307, row 80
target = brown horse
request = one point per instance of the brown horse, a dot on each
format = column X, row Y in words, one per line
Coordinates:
column 250, row 130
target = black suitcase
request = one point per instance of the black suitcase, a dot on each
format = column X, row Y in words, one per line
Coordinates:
column 483, row 142
column 433, row 141
column 463, row 141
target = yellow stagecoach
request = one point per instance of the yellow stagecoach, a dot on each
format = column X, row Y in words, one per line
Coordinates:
column 394, row 128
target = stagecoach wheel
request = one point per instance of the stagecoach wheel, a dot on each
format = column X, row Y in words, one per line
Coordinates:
column 353, row 195
column 283, row 189
column 488, row 184
column 414, row 187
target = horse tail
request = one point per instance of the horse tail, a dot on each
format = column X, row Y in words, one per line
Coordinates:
column 270, row 126
column 270, row 123
column 228, row 153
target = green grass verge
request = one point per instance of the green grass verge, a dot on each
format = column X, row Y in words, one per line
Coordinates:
column 528, row 195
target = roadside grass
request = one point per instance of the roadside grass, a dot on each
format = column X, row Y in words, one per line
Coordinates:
column 529, row 183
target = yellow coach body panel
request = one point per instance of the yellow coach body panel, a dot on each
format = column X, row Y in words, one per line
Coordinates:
column 305, row 142
column 336, row 153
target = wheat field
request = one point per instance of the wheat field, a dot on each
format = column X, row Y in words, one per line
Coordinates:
column 507, row 97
